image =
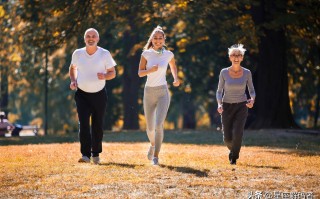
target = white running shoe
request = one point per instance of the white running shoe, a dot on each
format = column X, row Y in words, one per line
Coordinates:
column 155, row 161
column 95, row 160
column 150, row 152
column 84, row 159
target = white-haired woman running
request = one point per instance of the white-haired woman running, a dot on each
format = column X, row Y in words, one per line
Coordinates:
column 232, row 100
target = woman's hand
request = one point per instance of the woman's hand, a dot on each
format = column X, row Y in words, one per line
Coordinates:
column 220, row 109
column 250, row 103
column 154, row 68
column 176, row 83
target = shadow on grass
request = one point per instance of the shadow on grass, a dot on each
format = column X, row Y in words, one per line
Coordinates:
column 296, row 152
column 264, row 166
column 187, row 170
column 131, row 166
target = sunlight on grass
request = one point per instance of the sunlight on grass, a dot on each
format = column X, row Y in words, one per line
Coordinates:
column 187, row 171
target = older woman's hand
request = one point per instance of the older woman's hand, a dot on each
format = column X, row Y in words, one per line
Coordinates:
column 220, row 109
column 250, row 103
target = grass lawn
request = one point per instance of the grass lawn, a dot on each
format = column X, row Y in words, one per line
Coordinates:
column 194, row 164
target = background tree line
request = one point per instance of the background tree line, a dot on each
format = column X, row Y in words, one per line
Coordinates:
column 281, row 36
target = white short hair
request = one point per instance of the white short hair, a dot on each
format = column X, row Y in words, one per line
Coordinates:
column 90, row 29
column 238, row 47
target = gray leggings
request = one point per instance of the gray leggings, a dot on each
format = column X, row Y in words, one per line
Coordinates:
column 156, row 101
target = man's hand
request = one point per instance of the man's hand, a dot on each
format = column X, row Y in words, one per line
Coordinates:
column 73, row 85
column 101, row 76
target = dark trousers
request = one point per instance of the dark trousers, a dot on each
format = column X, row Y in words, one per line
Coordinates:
column 91, row 105
column 233, row 119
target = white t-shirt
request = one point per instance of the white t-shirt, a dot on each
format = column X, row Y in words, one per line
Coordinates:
column 89, row 65
column 157, row 78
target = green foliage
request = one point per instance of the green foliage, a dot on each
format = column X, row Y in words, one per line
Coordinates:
column 39, row 29
column 198, row 32
column 304, row 62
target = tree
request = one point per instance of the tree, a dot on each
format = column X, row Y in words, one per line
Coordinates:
column 272, row 101
column 198, row 32
column 216, row 25
column 303, row 30
column 133, row 21
column 8, row 54
column 41, row 30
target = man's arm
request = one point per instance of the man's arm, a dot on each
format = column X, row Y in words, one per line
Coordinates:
column 73, row 77
column 111, row 73
column 108, row 75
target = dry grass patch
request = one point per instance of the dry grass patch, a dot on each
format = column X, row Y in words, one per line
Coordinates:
column 186, row 171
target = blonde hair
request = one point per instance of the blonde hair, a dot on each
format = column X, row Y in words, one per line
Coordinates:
column 156, row 30
column 238, row 47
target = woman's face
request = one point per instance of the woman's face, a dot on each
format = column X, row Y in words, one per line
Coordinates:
column 157, row 40
column 236, row 57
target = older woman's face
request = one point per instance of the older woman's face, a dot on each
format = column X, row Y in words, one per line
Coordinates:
column 157, row 40
column 236, row 57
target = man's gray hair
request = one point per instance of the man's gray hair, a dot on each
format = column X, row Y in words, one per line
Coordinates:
column 90, row 29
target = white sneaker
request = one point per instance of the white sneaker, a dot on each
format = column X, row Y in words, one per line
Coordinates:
column 155, row 161
column 150, row 152
column 84, row 159
column 95, row 160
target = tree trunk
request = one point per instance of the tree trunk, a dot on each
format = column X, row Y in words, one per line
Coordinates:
column 272, row 100
column 316, row 63
column 316, row 114
column 4, row 99
column 131, row 84
column 189, row 112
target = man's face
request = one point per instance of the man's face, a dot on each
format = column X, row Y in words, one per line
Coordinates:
column 91, row 38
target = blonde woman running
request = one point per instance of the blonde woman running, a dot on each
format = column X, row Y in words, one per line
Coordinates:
column 156, row 100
